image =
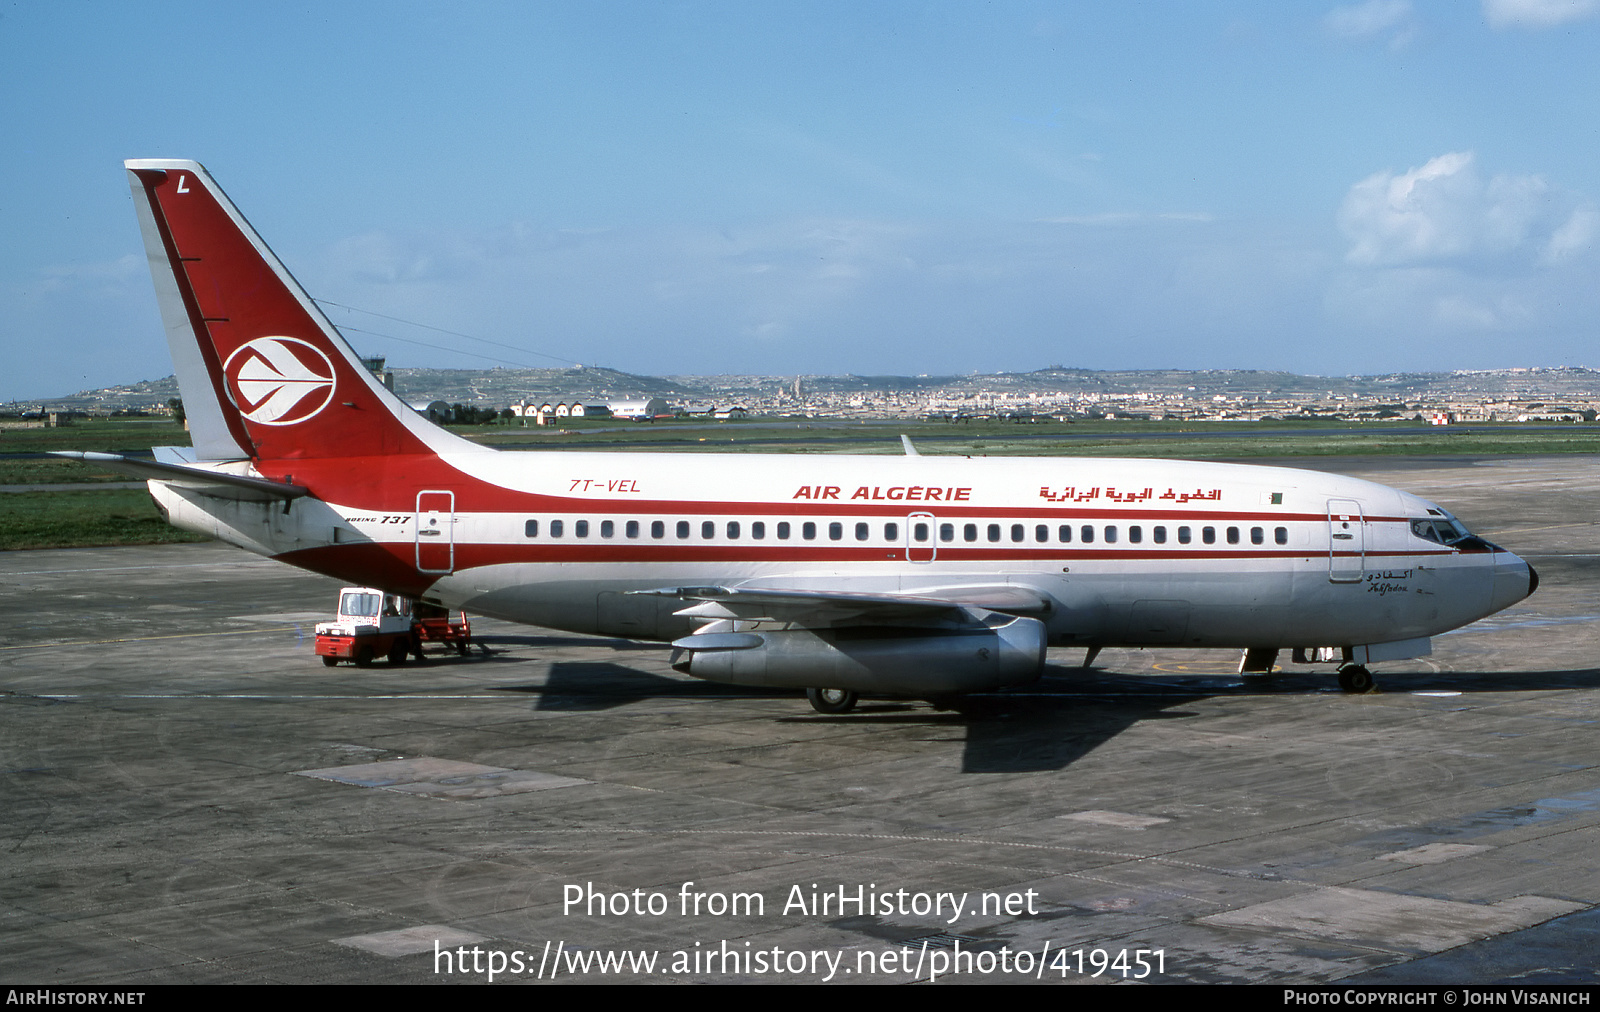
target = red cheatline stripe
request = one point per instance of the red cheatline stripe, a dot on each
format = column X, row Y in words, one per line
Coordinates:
column 474, row 555
column 343, row 485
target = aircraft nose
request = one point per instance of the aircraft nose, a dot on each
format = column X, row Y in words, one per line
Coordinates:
column 1514, row 580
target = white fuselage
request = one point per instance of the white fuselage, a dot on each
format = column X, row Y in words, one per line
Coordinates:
column 1103, row 551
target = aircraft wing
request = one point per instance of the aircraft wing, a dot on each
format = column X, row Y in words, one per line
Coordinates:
column 817, row 608
column 217, row 484
column 924, row 644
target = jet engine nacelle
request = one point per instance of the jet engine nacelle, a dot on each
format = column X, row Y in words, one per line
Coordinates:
column 923, row 662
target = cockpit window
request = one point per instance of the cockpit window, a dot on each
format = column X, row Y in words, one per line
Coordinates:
column 1443, row 532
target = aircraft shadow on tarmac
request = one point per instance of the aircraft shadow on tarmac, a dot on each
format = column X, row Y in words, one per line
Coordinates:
column 547, row 642
column 595, row 685
column 1045, row 726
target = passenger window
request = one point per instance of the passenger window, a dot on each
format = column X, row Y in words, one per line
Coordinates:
column 683, row 529
column 1208, row 535
column 733, row 530
column 1183, row 535
column 1135, row 535
column 1111, row 535
column 1086, row 534
column 581, row 528
column 1018, row 532
column 969, row 532
column 808, row 530
column 1159, row 535
column 555, row 528
column 608, row 529
column 863, row 531
column 1064, row 534
column 632, row 529
column 658, row 529
column 1258, row 536
column 708, row 530
column 947, row 532
column 891, row 532
column 1233, row 535
column 758, row 530
column 919, row 532
column 531, row 529
column 1041, row 533
column 783, row 530
column 835, row 531
column 994, row 532
column 1280, row 535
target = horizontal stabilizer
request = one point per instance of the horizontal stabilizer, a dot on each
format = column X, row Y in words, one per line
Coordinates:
column 218, row 484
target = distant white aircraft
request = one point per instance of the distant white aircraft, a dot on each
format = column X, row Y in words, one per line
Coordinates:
column 910, row 575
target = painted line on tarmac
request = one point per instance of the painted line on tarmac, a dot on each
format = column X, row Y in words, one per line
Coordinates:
column 1546, row 527
column 253, row 563
column 143, row 639
column 249, row 695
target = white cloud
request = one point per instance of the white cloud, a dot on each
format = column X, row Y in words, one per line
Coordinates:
column 1461, row 311
column 1394, row 20
column 1429, row 302
column 108, row 278
column 1445, row 211
column 1502, row 14
column 1575, row 236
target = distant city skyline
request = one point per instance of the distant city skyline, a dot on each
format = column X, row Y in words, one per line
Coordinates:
column 822, row 188
column 1553, row 394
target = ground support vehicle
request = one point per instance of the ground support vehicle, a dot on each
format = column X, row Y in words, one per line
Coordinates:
column 369, row 624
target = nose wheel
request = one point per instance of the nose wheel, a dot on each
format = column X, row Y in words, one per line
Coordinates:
column 832, row 700
column 1356, row 678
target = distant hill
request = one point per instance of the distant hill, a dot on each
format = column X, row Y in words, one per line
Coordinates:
column 501, row 387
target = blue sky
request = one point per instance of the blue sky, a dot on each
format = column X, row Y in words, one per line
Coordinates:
column 815, row 187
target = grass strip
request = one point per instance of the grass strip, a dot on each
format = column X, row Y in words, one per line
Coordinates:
column 84, row 519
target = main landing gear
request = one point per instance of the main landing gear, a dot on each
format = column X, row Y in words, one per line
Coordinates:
column 1355, row 678
column 832, row 700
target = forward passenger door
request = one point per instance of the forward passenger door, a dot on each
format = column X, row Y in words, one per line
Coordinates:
column 1347, row 541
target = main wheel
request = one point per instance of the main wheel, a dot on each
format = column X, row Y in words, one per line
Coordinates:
column 1355, row 678
column 832, row 700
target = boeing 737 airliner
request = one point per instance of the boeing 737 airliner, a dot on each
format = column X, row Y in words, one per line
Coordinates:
column 911, row 575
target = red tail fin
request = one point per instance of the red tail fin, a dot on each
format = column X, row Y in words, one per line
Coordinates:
column 262, row 372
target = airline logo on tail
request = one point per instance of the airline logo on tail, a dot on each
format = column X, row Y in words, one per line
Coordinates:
column 279, row 380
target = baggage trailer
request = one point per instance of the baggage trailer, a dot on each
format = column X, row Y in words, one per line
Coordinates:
column 436, row 625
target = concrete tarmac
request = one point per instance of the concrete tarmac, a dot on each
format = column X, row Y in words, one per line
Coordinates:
column 187, row 795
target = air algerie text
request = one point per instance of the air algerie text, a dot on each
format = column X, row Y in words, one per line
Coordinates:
column 891, row 493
